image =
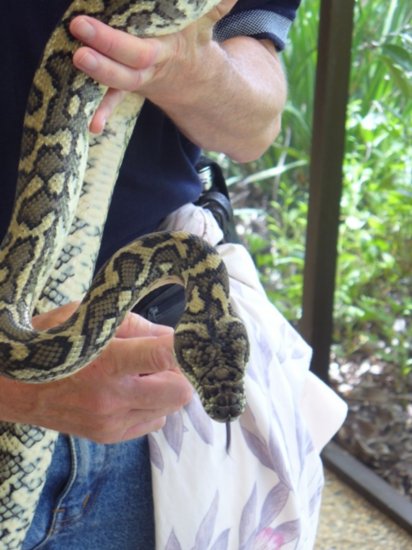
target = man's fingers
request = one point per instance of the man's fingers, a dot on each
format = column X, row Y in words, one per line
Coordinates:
column 55, row 317
column 222, row 9
column 110, row 101
column 149, row 400
column 135, row 325
column 132, row 326
column 164, row 392
column 137, row 356
column 120, row 46
column 109, row 72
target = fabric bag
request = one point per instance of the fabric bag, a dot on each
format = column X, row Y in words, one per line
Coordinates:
column 265, row 493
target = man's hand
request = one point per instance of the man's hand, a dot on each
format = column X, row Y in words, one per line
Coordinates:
column 125, row 393
column 225, row 97
column 157, row 68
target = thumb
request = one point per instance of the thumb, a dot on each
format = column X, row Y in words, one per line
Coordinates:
column 222, row 9
column 137, row 356
column 55, row 317
column 110, row 101
column 135, row 325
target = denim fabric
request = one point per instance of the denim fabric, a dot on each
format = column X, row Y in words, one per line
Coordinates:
column 95, row 496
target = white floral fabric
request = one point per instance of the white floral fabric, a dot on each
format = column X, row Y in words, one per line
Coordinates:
column 265, row 492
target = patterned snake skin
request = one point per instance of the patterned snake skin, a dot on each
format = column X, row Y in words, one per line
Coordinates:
column 64, row 189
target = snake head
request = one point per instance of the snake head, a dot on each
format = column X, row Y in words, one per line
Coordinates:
column 215, row 364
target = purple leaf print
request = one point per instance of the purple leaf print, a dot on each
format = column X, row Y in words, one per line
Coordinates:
column 172, row 542
column 205, row 531
column 266, row 349
column 303, row 439
column 258, row 447
column 248, row 419
column 288, row 531
column 173, row 431
column 253, row 373
column 156, row 456
column 282, row 337
column 298, row 353
column 247, row 526
column 222, row 541
column 258, row 370
column 267, row 539
column 274, row 503
column 277, row 460
column 268, row 453
column 200, row 420
column 315, row 500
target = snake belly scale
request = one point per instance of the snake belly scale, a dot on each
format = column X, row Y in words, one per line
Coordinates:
column 64, row 187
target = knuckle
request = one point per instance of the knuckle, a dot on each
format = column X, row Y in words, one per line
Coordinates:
column 135, row 81
column 161, row 358
column 108, row 45
column 186, row 394
column 127, row 325
column 144, row 53
column 108, row 359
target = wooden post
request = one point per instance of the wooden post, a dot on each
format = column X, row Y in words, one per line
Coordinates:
column 328, row 137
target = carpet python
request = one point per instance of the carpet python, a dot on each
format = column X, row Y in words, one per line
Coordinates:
column 64, row 188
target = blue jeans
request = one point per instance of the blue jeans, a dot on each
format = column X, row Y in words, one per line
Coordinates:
column 95, row 497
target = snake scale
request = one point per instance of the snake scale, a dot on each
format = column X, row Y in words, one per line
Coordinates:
column 64, row 187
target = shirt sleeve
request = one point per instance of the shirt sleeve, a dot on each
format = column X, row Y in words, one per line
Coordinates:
column 258, row 18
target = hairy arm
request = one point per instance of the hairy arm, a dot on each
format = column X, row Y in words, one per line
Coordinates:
column 225, row 96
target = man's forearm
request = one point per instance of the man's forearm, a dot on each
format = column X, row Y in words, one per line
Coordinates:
column 226, row 97
column 234, row 101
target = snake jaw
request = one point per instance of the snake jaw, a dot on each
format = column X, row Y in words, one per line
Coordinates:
column 223, row 408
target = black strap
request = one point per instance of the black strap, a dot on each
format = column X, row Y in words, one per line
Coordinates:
column 215, row 197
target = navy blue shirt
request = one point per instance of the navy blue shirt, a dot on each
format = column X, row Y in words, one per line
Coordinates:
column 158, row 173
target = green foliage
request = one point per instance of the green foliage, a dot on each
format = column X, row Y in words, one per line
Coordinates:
column 373, row 302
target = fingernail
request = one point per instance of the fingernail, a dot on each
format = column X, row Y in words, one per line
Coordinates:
column 88, row 62
column 84, row 29
column 102, row 125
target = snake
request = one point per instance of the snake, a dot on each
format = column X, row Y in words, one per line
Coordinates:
column 47, row 258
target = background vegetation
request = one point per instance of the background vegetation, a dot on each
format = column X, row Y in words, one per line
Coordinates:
column 373, row 302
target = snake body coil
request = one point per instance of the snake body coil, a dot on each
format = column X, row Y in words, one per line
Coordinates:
column 47, row 257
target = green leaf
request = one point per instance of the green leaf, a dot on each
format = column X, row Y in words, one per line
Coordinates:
column 399, row 77
column 398, row 55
